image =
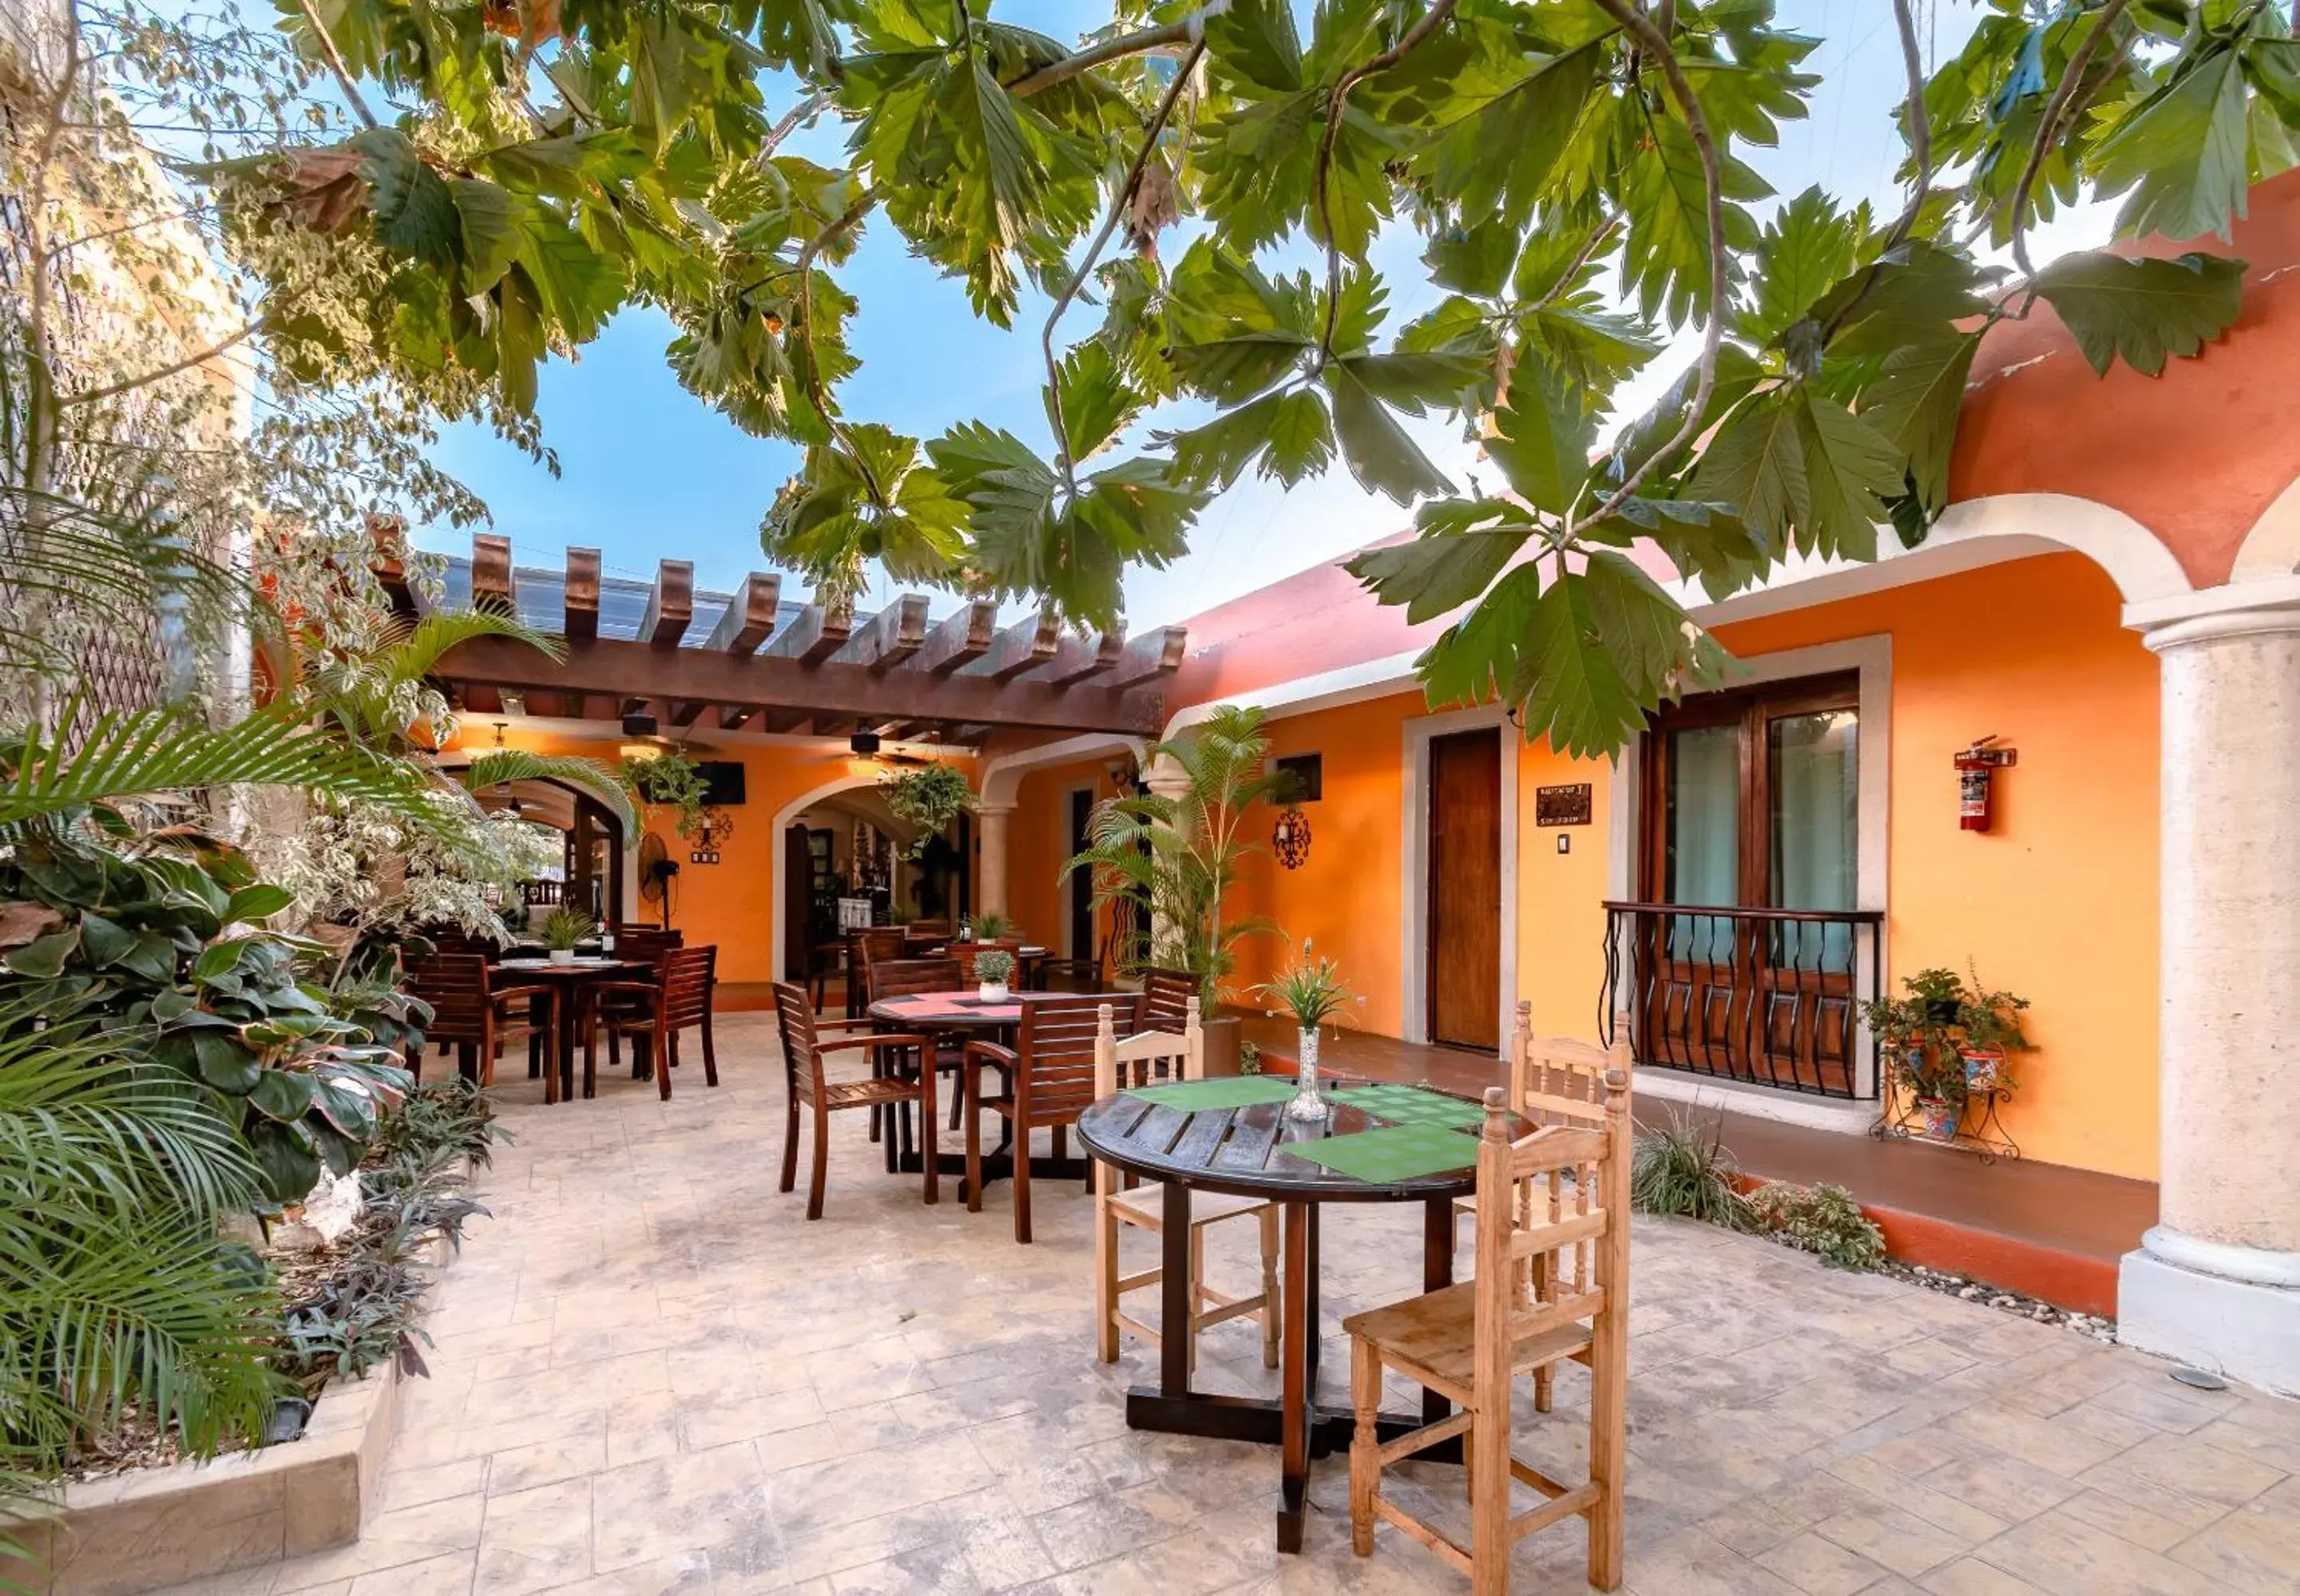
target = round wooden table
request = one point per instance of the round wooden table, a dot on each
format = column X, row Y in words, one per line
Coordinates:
column 575, row 982
column 1247, row 1152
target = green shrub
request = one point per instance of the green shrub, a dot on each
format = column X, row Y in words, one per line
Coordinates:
column 1684, row 1169
column 1823, row 1220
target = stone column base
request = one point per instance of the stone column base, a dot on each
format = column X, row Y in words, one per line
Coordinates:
column 2246, row 1329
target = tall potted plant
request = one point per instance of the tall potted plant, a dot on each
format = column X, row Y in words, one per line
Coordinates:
column 1174, row 856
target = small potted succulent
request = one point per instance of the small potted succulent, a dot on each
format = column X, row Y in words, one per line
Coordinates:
column 562, row 928
column 992, row 971
column 1312, row 991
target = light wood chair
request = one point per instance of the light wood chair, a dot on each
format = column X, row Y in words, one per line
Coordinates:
column 1118, row 1065
column 1469, row 1343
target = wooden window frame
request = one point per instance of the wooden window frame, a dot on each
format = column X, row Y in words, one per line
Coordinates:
column 1749, row 708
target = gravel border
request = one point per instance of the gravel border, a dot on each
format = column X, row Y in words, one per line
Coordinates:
column 1951, row 1284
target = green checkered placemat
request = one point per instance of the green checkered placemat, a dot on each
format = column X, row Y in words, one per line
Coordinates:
column 1411, row 1105
column 1218, row 1092
column 1393, row 1154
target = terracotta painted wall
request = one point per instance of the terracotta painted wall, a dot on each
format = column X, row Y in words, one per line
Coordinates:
column 731, row 904
column 1037, row 841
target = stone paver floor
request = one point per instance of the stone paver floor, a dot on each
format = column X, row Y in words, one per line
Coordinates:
column 652, row 1377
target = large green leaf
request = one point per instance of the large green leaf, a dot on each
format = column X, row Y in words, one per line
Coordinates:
column 1804, row 468
column 2182, row 154
column 414, row 208
column 2143, row 310
column 1542, row 441
column 1380, row 455
column 1916, row 403
column 1803, row 253
column 1438, row 571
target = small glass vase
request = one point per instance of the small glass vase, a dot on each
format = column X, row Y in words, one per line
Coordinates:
column 1305, row 1103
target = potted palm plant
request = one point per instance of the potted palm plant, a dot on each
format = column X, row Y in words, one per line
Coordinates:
column 1172, row 856
column 989, row 926
column 562, row 928
column 992, row 971
column 1312, row 991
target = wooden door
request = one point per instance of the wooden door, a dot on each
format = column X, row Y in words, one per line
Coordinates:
column 799, row 900
column 1465, row 889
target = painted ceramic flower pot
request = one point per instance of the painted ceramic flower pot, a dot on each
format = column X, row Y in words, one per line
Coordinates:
column 1984, row 1068
column 1305, row 1103
column 1939, row 1119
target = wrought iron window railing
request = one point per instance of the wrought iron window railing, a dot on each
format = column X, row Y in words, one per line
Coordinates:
column 1769, row 997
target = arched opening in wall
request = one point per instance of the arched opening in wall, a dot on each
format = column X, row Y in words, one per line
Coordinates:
column 841, row 844
column 590, row 873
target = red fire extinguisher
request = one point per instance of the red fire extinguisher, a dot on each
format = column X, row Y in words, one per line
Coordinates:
column 1974, row 768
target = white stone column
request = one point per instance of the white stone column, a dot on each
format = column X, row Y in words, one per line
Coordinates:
column 2217, row 1281
column 991, row 873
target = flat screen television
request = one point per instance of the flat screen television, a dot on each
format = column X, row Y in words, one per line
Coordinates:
column 723, row 782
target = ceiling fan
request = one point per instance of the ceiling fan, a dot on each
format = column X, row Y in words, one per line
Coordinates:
column 869, row 744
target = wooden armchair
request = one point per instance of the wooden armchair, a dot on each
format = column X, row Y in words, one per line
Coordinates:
column 638, row 944
column 1049, row 1079
column 864, row 948
column 1118, row 1065
column 901, row 977
column 803, row 1048
column 476, row 1008
column 1091, row 974
column 1167, row 996
column 652, row 1014
column 1469, row 1343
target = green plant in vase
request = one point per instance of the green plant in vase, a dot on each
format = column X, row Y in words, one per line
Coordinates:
column 1312, row 991
column 990, row 925
column 992, row 971
column 562, row 928
column 1945, row 1042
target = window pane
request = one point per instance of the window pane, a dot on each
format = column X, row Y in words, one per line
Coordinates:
column 1811, row 766
column 1702, row 861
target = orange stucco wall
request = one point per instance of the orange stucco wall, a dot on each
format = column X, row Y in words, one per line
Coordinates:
column 731, row 904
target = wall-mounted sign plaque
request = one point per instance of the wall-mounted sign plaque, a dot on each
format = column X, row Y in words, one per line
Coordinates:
column 1562, row 806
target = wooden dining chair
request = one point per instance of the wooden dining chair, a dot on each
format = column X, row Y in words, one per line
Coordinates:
column 636, row 944
column 654, row 1013
column 476, row 1008
column 1167, row 996
column 1118, row 1065
column 804, row 1047
column 1088, row 974
column 874, row 945
column 1049, row 1079
column 903, row 977
column 1469, row 1343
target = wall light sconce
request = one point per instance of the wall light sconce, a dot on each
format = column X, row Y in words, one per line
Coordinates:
column 1291, row 839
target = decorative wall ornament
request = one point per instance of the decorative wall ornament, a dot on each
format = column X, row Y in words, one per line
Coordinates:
column 1291, row 839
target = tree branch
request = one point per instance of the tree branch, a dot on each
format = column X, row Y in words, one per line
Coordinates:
column 1150, row 136
column 1697, row 123
column 816, row 395
column 112, row 389
column 1320, row 174
column 1189, row 31
column 1920, row 125
column 335, row 60
column 802, row 111
column 2048, row 130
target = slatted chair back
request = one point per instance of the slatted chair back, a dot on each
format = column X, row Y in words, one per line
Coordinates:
column 455, row 985
column 647, row 945
column 967, row 952
column 872, row 946
column 1055, row 1053
column 927, row 930
column 900, row 977
column 795, row 1025
column 649, row 928
column 1167, row 998
column 1146, row 1055
column 688, row 976
column 1560, row 1080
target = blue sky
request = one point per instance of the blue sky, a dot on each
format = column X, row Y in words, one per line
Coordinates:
column 649, row 472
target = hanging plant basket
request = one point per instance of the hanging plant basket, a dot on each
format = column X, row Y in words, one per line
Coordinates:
column 926, row 799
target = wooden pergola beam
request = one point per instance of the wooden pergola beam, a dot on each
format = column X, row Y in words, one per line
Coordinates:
column 816, row 634
column 671, row 606
column 889, row 637
column 749, row 618
column 772, row 681
column 1078, row 658
column 963, row 635
column 579, row 601
column 1022, row 646
column 493, row 586
column 1154, row 653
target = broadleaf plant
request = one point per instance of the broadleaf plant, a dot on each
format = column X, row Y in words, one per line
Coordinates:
column 507, row 178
